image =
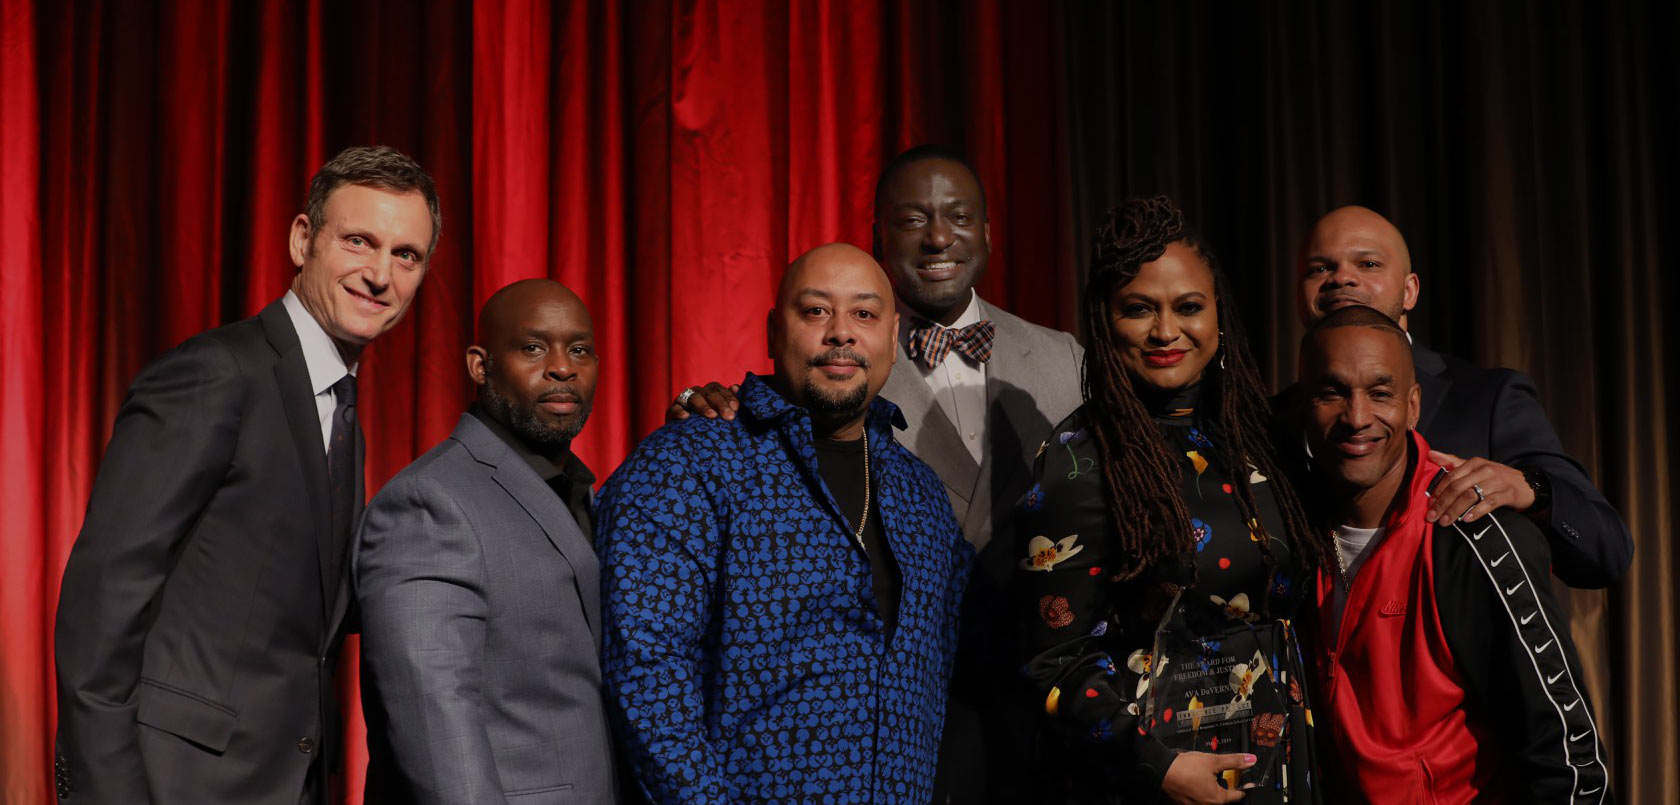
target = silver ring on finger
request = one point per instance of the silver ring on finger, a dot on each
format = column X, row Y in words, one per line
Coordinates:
column 682, row 399
column 1477, row 488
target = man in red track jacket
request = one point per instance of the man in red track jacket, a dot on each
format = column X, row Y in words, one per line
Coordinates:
column 1446, row 671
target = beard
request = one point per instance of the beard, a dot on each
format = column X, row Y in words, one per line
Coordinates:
column 837, row 404
column 545, row 436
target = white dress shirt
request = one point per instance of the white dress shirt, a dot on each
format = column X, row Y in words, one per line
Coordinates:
column 326, row 365
column 958, row 382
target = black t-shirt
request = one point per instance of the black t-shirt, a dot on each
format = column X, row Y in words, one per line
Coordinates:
column 841, row 464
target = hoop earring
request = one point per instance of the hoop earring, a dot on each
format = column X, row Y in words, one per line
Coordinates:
column 1222, row 350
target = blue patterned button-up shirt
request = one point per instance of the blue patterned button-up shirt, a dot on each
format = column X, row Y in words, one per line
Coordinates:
column 745, row 657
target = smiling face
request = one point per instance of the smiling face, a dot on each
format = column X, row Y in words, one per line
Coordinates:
column 1355, row 257
column 1362, row 399
column 932, row 235
column 832, row 335
column 535, row 363
column 359, row 273
column 1165, row 321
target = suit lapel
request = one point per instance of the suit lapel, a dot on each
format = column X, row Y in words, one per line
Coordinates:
column 1431, row 375
column 545, row 509
column 1011, row 416
column 928, row 432
column 297, row 398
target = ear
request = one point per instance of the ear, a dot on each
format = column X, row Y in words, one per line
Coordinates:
column 892, row 327
column 1409, row 300
column 477, row 357
column 1414, row 405
column 298, row 241
column 986, row 236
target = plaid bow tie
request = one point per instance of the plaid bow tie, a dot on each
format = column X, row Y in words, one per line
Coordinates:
column 930, row 343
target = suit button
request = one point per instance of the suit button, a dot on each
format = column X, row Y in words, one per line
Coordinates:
column 305, row 745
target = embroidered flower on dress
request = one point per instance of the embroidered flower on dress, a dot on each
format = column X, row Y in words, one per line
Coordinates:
column 1201, row 532
column 1034, row 499
column 1042, row 554
column 1197, row 461
column 1244, row 675
column 1055, row 611
column 1237, row 608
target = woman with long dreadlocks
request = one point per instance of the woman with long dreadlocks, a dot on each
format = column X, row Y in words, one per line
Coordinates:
column 1163, row 551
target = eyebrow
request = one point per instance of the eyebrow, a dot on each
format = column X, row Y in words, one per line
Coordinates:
column 822, row 294
column 1365, row 252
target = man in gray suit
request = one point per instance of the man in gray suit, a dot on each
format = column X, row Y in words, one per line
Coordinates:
column 980, row 390
column 478, row 582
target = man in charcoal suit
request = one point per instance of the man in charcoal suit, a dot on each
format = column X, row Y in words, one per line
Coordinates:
column 199, row 620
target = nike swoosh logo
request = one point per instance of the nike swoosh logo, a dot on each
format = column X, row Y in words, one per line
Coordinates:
column 1590, row 791
column 1528, row 617
column 1478, row 535
column 1579, row 737
column 1555, row 677
column 1542, row 647
column 1516, row 588
column 1584, row 765
column 1571, row 705
column 1495, row 563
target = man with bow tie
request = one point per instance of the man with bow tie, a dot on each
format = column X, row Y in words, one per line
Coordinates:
column 979, row 390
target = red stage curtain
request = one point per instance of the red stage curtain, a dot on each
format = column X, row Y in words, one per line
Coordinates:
column 665, row 159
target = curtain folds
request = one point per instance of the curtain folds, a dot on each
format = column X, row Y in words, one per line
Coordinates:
column 666, row 158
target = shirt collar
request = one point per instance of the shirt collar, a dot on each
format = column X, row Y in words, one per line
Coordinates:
column 760, row 399
column 570, row 466
column 320, row 354
column 908, row 318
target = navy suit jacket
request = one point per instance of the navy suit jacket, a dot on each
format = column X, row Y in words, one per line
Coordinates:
column 1495, row 413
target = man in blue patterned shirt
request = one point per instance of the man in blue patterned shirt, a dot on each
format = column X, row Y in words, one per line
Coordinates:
column 782, row 589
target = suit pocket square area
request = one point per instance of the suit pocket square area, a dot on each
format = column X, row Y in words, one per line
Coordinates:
column 1393, row 608
column 185, row 715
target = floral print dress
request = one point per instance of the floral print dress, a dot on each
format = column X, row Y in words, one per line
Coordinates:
column 1091, row 639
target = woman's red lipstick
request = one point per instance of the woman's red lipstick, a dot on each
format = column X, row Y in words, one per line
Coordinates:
column 1164, row 357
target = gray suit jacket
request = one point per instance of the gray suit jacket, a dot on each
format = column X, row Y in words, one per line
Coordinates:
column 1032, row 382
column 481, row 633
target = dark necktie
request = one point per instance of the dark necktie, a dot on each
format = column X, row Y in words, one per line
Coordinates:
column 930, row 343
column 344, row 479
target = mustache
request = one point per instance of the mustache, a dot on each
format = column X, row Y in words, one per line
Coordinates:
column 560, row 394
column 839, row 354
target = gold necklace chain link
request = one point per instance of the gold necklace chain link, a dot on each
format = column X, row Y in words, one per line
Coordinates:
column 863, row 519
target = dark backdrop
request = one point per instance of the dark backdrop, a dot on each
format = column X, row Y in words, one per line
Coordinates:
column 666, row 157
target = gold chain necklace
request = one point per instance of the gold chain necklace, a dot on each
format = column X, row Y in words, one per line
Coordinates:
column 1341, row 562
column 864, row 518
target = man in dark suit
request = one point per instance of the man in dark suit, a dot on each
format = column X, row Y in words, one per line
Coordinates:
column 197, row 633
column 478, row 583
column 1486, row 425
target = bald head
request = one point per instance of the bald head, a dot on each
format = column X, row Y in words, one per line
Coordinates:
column 833, row 333
column 513, row 302
column 534, row 362
column 1353, row 256
column 832, row 260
